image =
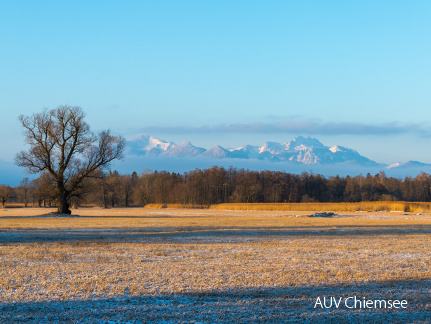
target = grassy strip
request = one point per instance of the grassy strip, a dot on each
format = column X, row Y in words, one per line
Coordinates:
column 370, row 206
column 180, row 206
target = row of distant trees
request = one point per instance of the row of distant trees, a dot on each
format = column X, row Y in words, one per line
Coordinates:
column 219, row 185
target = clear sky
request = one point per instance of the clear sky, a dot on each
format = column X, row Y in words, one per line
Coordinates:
column 351, row 73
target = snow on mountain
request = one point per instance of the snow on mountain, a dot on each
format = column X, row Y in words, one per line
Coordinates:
column 394, row 165
column 273, row 147
column 334, row 149
column 298, row 155
column 303, row 143
column 145, row 144
column 409, row 164
column 303, row 150
column 307, row 157
column 245, row 152
column 217, row 152
column 184, row 148
column 345, row 154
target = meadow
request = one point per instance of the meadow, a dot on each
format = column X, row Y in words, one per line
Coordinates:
column 369, row 206
column 211, row 265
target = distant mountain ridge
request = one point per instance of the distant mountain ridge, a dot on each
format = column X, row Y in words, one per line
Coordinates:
column 303, row 150
column 408, row 164
column 296, row 156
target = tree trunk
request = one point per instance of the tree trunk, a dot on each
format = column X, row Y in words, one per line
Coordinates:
column 62, row 203
column 127, row 199
column 75, row 204
column 104, row 197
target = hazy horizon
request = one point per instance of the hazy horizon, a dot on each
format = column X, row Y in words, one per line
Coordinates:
column 228, row 73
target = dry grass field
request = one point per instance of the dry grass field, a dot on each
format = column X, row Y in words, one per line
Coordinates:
column 417, row 207
column 141, row 265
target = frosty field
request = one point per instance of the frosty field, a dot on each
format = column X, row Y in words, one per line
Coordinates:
column 179, row 265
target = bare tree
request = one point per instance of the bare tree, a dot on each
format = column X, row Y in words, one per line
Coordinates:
column 5, row 193
column 43, row 188
column 62, row 144
column 25, row 187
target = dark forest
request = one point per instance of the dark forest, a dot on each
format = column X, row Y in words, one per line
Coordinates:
column 220, row 185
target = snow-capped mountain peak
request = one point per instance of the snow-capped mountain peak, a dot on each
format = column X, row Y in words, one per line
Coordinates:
column 408, row 164
column 334, row 149
column 394, row 165
column 273, row 147
column 184, row 148
column 301, row 143
column 216, row 152
column 143, row 144
column 304, row 150
column 245, row 152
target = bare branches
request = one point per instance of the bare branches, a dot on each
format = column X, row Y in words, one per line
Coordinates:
column 5, row 193
column 62, row 144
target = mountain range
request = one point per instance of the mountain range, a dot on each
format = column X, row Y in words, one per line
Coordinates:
column 301, row 154
column 300, row 150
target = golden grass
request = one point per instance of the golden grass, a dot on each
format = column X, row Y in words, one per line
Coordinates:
column 163, row 251
column 178, row 206
column 15, row 205
column 370, row 206
column 146, row 219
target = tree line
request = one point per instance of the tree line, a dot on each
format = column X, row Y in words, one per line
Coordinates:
column 220, row 185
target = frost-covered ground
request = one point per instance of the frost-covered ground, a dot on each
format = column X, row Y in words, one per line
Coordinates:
column 293, row 305
column 170, row 266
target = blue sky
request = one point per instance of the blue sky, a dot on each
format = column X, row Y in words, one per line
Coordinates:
column 351, row 73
